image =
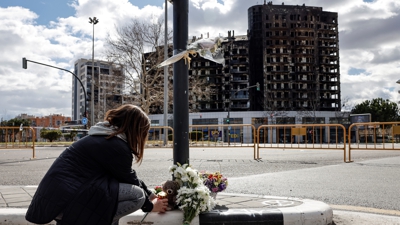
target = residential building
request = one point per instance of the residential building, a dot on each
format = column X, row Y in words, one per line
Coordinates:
column 291, row 51
column 294, row 55
column 50, row 121
column 107, row 93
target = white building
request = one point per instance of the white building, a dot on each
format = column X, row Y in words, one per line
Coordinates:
column 108, row 90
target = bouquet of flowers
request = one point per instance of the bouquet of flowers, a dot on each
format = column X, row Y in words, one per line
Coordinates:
column 193, row 197
column 216, row 182
column 157, row 190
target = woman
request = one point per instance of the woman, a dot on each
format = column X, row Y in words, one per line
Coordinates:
column 92, row 181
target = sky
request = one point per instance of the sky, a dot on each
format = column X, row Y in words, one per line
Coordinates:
column 57, row 32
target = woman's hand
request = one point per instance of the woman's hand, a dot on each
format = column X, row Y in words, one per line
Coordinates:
column 160, row 205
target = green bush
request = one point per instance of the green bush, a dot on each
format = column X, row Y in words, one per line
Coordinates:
column 196, row 135
column 170, row 137
column 50, row 135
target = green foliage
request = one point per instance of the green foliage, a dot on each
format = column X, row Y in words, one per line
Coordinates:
column 170, row 137
column 50, row 135
column 15, row 122
column 70, row 136
column 195, row 135
column 381, row 110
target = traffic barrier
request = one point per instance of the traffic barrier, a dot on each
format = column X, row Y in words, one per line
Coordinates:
column 359, row 136
column 374, row 136
column 302, row 136
column 156, row 137
column 224, row 135
column 17, row 138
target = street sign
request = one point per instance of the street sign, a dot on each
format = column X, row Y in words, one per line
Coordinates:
column 84, row 120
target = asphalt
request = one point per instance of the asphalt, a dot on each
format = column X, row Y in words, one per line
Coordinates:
column 231, row 209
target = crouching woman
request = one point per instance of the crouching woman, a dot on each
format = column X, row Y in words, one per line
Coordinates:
column 92, row 181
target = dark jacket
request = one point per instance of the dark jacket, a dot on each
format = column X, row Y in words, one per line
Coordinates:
column 83, row 183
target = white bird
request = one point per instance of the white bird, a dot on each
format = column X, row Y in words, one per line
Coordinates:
column 207, row 48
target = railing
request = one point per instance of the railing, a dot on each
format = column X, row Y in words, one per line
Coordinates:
column 359, row 136
column 224, row 135
column 374, row 136
column 17, row 138
column 156, row 137
column 302, row 136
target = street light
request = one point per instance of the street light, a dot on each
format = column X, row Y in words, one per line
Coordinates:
column 25, row 66
column 93, row 21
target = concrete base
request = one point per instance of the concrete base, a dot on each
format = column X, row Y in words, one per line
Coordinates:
column 246, row 209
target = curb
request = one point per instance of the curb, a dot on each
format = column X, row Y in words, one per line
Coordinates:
column 273, row 210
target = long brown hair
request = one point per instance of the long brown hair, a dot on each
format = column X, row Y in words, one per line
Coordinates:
column 134, row 123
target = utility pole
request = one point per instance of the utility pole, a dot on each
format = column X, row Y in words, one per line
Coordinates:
column 93, row 21
column 181, row 83
column 166, row 75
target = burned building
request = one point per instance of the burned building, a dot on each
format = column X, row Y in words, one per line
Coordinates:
column 290, row 50
column 294, row 55
column 227, row 85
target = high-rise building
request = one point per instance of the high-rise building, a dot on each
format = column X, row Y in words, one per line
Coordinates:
column 107, row 93
column 291, row 51
column 294, row 55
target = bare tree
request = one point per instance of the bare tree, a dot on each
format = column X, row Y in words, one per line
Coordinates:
column 272, row 110
column 138, row 46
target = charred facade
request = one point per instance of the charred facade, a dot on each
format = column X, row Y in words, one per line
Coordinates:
column 294, row 55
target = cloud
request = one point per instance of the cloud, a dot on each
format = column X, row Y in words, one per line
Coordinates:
column 368, row 41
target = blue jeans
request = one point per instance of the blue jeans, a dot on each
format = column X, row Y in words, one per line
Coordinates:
column 130, row 199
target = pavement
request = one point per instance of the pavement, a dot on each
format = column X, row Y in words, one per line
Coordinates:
column 231, row 209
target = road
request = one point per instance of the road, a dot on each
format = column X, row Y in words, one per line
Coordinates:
column 371, row 182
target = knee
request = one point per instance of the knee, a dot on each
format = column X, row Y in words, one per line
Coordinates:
column 141, row 196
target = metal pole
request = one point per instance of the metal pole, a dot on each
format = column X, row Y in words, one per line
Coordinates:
column 166, row 75
column 92, row 122
column 229, row 120
column 181, row 84
column 93, row 21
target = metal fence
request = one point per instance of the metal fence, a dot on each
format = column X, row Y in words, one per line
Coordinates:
column 302, row 136
column 374, row 136
column 17, row 138
column 227, row 135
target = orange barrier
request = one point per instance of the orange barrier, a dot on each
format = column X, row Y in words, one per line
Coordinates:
column 302, row 136
column 374, row 136
column 17, row 138
column 224, row 135
column 156, row 137
column 359, row 136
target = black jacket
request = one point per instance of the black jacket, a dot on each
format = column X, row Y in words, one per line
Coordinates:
column 83, row 183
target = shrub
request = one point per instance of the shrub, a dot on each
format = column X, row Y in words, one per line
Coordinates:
column 50, row 135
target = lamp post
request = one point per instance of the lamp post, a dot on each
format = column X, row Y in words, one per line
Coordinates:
column 25, row 66
column 93, row 21
column 166, row 75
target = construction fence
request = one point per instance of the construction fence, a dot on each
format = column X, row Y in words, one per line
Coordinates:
column 17, row 138
column 358, row 136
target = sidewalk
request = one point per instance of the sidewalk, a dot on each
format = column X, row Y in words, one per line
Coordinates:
column 231, row 209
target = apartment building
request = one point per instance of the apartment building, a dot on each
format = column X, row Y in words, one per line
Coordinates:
column 108, row 87
column 50, row 121
column 294, row 55
column 291, row 51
